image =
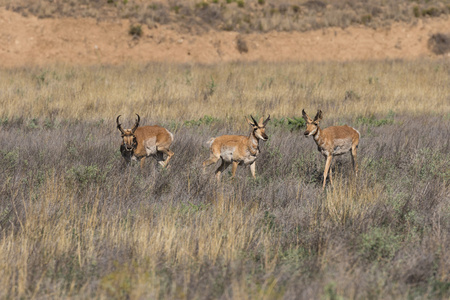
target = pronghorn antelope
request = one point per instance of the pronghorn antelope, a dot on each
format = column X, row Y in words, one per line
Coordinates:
column 237, row 149
column 139, row 143
column 331, row 141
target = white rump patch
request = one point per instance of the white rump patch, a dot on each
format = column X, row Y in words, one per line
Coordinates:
column 170, row 133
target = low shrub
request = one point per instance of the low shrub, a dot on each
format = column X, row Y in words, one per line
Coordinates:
column 439, row 43
column 135, row 30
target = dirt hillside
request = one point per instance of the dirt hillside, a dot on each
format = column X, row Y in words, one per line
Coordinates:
column 32, row 41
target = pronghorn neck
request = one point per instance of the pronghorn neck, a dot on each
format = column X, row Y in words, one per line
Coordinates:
column 317, row 135
column 253, row 143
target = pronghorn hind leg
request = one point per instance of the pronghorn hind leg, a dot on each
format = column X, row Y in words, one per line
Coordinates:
column 221, row 168
column 354, row 161
column 169, row 154
column 327, row 167
column 331, row 171
column 211, row 160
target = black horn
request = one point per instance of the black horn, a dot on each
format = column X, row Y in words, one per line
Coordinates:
column 254, row 121
column 137, row 124
column 118, row 125
column 266, row 120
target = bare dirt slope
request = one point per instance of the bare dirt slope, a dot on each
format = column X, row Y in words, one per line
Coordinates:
column 33, row 41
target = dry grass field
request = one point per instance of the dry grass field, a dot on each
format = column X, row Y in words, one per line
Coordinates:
column 76, row 223
column 177, row 93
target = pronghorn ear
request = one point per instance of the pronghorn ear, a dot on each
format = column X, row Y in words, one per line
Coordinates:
column 261, row 120
column 249, row 122
column 305, row 116
column 318, row 116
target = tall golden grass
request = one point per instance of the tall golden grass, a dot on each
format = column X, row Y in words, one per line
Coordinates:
column 220, row 232
column 183, row 92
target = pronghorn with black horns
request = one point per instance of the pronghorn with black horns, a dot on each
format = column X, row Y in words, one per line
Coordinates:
column 139, row 143
column 331, row 141
column 237, row 149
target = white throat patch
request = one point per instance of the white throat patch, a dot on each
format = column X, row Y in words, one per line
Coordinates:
column 317, row 135
column 312, row 132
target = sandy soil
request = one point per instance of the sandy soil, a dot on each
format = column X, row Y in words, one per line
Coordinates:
column 33, row 41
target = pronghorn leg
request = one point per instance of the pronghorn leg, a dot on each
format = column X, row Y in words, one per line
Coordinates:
column 211, row 160
column 159, row 157
column 142, row 162
column 253, row 169
column 354, row 162
column 327, row 167
column 126, row 163
column 126, row 155
column 234, row 167
column 221, row 168
column 331, row 172
column 169, row 155
column 127, row 160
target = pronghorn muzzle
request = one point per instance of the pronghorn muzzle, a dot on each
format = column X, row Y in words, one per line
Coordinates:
column 130, row 146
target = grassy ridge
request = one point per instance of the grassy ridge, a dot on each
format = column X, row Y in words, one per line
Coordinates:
column 75, row 223
column 238, row 15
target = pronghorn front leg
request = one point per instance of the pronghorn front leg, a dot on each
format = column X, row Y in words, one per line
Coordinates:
column 142, row 162
column 253, row 169
column 234, row 167
column 327, row 167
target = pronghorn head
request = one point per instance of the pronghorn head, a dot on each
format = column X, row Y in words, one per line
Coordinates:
column 312, row 125
column 259, row 128
column 128, row 138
